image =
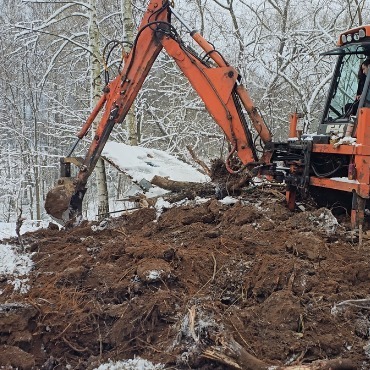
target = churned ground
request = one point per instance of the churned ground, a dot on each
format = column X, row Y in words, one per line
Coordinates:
column 289, row 287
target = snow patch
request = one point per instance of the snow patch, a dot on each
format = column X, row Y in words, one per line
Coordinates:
column 228, row 200
column 154, row 275
column 21, row 285
column 325, row 220
column 161, row 205
column 142, row 164
column 16, row 266
column 347, row 140
column 13, row 262
column 7, row 229
column 134, row 364
column 344, row 179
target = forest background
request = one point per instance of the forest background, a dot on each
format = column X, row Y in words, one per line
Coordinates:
column 52, row 73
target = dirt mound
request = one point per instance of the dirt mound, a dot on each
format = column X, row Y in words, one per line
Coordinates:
column 288, row 287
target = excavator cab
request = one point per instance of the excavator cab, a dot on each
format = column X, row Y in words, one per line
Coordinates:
column 342, row 105
column 335, row 168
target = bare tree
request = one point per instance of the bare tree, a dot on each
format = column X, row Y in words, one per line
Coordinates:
column 86, row 43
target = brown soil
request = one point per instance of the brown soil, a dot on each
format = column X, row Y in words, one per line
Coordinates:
column 270, row 278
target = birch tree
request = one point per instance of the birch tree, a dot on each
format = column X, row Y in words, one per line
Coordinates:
column 22, row 117
column 128, row 32
column 96, row 89
column 85, row 43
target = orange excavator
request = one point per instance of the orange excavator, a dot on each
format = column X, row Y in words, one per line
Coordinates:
column 336, row 158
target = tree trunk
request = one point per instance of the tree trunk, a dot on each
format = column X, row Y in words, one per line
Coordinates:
column 37, row 189
column 180, row 186
column 128, row 27
column 96, row 88
column 231, row 187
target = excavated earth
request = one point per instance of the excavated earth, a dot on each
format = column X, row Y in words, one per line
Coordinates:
column 290, row 287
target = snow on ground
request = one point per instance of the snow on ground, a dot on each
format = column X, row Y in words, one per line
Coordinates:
column 15, row 265
column 7, row 229
column 142, row 164
column 135, row 364
column 12, row 262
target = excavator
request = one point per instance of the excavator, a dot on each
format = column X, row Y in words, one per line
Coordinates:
column 335, row 160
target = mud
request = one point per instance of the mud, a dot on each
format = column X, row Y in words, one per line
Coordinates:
column 289, row 287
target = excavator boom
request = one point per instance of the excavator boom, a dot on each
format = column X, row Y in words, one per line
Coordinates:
column 215, row 81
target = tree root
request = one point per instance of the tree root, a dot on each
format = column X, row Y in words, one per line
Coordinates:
column 233, row 355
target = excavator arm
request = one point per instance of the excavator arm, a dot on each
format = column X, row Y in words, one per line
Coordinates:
column 217, row 84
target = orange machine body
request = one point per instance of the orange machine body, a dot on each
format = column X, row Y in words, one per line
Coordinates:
column 216, row 83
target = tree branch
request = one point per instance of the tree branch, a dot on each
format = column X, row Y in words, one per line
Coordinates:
column 57, row 2
column 55, row 35
column 221, row 5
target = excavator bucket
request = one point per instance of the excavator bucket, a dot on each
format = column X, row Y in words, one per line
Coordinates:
column 60, row 201
column 64, row 202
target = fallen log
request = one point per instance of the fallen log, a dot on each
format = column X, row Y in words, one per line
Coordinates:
column 233, row 355
column 196, row 187
column 178, row 186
